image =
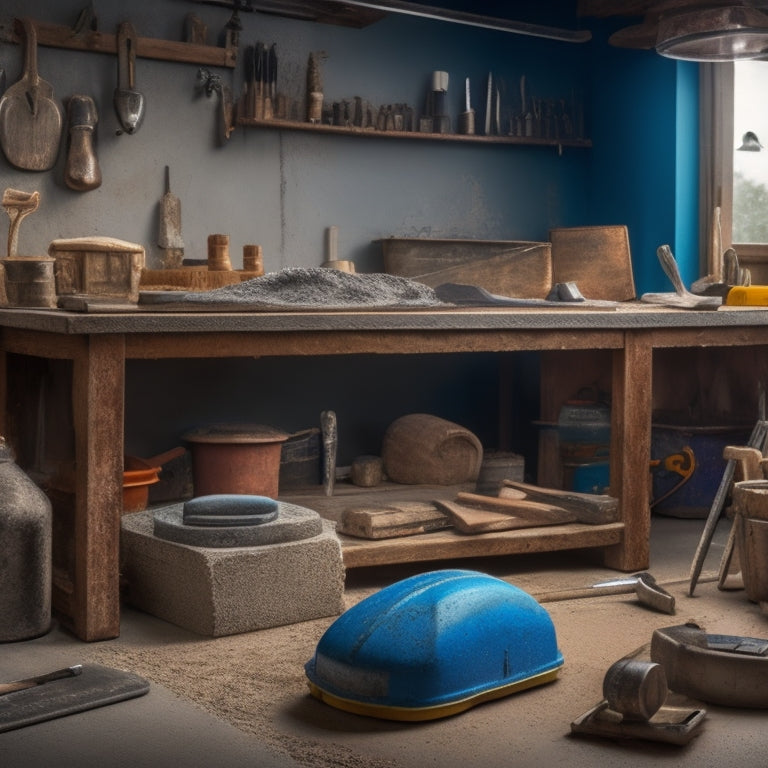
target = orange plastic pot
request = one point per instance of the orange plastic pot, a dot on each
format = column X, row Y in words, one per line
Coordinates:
column 138, row 475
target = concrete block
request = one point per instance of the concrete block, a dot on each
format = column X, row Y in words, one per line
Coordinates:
column 227, row 591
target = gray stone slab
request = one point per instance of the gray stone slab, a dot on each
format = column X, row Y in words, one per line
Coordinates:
column 628, row 315
column 227, row 591
column 293, row 523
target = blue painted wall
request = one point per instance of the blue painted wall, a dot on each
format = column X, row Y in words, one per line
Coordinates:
column 644, row 169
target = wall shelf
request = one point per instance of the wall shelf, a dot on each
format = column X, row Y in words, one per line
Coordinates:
column 58, row 36
column 293, row 125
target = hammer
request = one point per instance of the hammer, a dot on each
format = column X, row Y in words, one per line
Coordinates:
column 648, row 592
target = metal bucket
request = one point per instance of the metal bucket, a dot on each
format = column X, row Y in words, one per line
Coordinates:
column 30, row 282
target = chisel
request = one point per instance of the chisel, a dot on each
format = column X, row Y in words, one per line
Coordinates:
column 488, row 102
column 467, row 117
column 31, row 682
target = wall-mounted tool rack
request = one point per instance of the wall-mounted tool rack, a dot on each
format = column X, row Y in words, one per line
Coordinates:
column 340, row 130
column 57, row 36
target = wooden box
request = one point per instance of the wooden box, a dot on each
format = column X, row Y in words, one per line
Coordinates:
column 97, row 266
column 513, row 268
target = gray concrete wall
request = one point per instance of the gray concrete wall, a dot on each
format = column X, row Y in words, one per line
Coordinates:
column 283, row 189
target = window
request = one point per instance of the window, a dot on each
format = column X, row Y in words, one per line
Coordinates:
column 735, row 164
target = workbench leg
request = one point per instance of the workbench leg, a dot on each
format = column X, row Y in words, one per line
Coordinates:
column 3, row 392
column 631, row 405
column 98, row 403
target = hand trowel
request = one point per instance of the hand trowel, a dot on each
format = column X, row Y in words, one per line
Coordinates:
column 169, row 235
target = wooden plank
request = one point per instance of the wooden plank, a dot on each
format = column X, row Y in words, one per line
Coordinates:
column 98, row 404
column 54, row 346
column 59, row 36
column 406, row 518
column 349, row 342
column 448, row 545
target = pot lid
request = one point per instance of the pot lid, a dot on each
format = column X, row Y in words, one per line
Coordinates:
column 236, row 433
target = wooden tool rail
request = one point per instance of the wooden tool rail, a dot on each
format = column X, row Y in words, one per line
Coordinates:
column 58, row 36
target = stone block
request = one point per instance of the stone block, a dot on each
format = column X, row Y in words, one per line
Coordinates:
column 218, row 591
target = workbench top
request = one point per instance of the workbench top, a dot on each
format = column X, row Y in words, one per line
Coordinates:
column 625, row 316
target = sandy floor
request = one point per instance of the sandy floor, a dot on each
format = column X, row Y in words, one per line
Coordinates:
column 256, row 681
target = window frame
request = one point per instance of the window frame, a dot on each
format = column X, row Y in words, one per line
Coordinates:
column 716, row 176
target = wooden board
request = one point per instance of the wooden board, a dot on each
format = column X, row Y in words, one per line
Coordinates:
column 451, row 545
column 479, row 519
column 405, row 518
column 597, row 259
column 590, row 508
column 446, row 544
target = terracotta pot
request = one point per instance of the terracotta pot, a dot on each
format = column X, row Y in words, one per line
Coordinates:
column 237, row 458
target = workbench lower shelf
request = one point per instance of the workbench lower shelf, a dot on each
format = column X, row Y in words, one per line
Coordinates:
column 447, row 544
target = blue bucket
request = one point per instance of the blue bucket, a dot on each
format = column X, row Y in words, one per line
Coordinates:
column 693, row 497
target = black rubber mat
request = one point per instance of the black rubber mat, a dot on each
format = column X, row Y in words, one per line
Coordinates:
column 95, row 687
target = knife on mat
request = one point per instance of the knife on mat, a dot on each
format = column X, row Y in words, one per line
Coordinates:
column 31, row 682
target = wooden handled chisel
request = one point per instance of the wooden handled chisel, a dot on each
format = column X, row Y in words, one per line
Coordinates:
column 31, row 682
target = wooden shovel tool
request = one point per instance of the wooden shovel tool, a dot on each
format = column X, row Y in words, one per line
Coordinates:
column 30, row 119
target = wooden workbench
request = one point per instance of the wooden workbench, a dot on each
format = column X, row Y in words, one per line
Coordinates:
column 97, row 344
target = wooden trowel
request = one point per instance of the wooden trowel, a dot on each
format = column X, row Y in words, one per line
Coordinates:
column 30, row 119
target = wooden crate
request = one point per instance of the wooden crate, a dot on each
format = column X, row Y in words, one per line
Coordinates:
column 97, row 266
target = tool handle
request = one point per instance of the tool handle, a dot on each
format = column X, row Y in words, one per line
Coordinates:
column 30, row 51
column 31, row 682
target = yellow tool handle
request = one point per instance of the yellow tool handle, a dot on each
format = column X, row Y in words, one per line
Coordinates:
column 747, row 296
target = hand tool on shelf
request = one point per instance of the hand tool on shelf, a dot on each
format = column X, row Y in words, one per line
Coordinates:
column 30, row 118
column 169, row 235
column 442, row 121
column 17, row 205
column 81, row 171
column 330, row 433
column 129, row 103
column 467, row 117
column 488, row 103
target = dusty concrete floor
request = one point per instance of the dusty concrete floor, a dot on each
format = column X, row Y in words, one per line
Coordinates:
column 243, row 701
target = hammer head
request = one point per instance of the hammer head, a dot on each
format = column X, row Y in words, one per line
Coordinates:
column 651, row 594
